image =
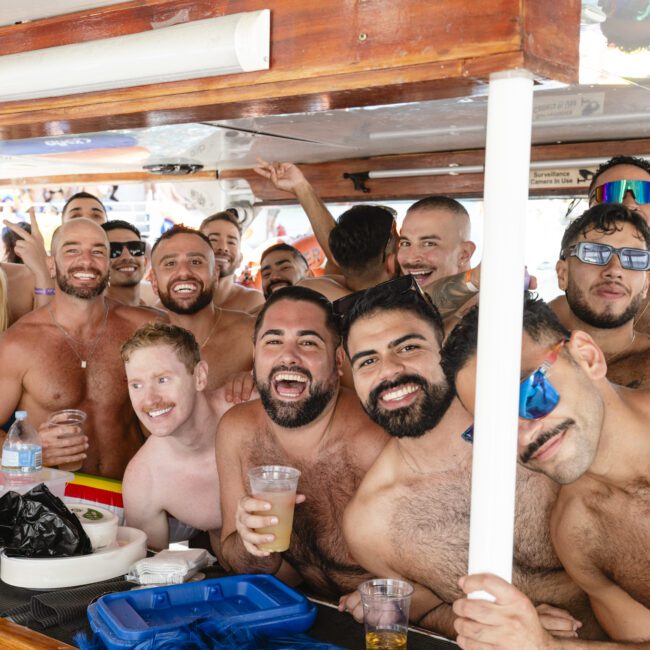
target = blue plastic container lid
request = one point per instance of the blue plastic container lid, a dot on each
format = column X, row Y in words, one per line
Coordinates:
column 260, row 604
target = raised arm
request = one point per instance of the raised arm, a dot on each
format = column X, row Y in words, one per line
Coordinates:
column 31, row 249
column 287, row 177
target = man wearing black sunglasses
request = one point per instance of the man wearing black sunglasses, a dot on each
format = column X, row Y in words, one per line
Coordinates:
column 128, row 262
column 603, row 270
column 410, row 516
column 591, row 437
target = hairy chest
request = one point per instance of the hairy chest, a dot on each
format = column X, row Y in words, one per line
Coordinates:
column 616, row 538
column 318, row 550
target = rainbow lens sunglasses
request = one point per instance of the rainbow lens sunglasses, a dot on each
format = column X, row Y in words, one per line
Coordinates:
column 633, row 259
column 615, row 191
column 135, row 248
column 537, row 395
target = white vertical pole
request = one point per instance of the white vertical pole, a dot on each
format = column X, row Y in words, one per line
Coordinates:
column 507, row 162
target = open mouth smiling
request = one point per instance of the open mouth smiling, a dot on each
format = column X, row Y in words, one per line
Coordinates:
column 289, row 384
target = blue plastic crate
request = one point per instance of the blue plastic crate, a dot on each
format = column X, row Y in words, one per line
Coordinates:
column 259, row 604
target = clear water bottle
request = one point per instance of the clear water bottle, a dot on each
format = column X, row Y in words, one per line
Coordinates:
column 22, row 452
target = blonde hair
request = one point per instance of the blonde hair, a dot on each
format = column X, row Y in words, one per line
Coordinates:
column 152, row 334
column 4, row 302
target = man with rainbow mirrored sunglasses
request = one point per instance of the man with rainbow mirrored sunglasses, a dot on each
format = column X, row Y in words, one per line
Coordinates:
column 603, row 269
column 593, row 438
column 626, row 180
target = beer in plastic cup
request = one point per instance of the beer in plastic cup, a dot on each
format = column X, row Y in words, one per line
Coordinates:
column 386, row 613
column 73, row 417
column 277, row 485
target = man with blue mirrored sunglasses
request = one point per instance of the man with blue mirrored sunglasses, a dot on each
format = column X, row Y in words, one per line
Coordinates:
column 603, row 270
column 592, row 438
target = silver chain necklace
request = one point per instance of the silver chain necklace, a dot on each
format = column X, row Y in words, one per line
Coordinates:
column 71, row 340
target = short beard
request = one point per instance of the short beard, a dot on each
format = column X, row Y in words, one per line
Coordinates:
column 85, row 293
column 202, row 301
column 606, row 320
column 416, row 419
column 292, row 415
column 225, row 273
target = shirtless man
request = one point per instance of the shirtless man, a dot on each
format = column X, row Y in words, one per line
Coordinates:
column 622, row 179
column 172, row 481
column 183, row 278
column 84, row 204
column 605, row 288
column 434, row 240
column 282, row 265
column 305, row 421
column 224, row 233
column 591, row 437
column 410, row 516
column 66, row 355
column 128, row 258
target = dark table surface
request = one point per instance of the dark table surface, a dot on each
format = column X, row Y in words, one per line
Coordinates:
column 331, row 625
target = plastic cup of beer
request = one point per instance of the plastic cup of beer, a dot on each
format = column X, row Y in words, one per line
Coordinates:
column 386, row 605
column 72, row 417
column 277, row 485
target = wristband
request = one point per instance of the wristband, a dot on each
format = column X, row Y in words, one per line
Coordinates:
column 40, row 291
column 468, row 281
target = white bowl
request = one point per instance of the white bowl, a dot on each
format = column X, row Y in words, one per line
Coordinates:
column 57, row 572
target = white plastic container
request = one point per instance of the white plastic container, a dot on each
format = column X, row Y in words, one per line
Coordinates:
column 55, row 479
column 99, row 524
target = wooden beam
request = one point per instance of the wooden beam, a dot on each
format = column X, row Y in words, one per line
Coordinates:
column 324, row 55
column 114, row 178
column 328, row 181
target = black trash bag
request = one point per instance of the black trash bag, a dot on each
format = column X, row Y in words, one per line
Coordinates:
column 37, row 524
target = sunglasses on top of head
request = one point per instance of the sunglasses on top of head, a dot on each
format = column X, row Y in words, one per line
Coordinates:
column 537, row 395
column 616, row 191
column 135, row 248
column 404, row 283
column 632, row 259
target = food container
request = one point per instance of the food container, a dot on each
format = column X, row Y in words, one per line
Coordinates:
column 55, row 480
column 100, row 524
column 260, row 604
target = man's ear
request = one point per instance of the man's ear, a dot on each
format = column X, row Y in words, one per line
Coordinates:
column 154, row 282
column 390, row 264
column 644, row 292
column 201, row 375
column 587, row 354
column 49, row 261
column 467, row 249
column 562, row 270
column 340, row 357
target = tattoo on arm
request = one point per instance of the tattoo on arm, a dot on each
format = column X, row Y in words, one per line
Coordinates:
column 450, row 294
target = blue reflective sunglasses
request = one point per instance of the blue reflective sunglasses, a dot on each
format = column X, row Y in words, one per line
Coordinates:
column 537, row 395
column 615, row 191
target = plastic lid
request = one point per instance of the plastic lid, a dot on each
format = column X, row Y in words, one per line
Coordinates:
column 21, row 415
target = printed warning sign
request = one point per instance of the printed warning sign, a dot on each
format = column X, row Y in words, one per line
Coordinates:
column 553, row 178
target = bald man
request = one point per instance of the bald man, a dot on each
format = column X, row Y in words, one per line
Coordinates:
column 67, row 355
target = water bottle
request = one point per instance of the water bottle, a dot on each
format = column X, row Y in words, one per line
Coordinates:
column 22, row 452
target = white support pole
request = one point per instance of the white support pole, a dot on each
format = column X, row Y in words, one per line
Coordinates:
column 507, row 161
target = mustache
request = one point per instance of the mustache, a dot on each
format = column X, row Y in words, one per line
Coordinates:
column 543, row 438
column 402, row 380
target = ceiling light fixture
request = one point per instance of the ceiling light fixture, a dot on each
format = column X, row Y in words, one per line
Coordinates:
column 202, row 48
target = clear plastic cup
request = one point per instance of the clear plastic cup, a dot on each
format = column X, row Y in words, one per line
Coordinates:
column 277, row 485
column 386, row 605
column 72, row 417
